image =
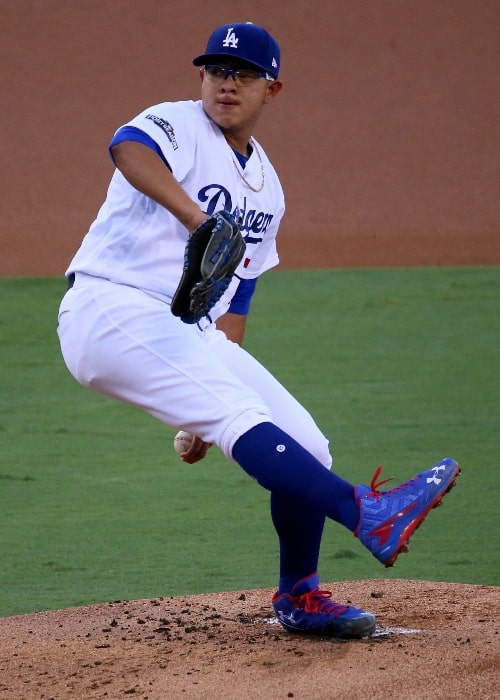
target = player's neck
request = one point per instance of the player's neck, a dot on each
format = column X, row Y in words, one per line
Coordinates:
column 239, row 143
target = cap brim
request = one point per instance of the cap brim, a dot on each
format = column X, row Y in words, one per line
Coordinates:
column 207, row 58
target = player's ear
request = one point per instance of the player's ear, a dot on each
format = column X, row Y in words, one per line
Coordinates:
column 272, row 90
column 202, row 73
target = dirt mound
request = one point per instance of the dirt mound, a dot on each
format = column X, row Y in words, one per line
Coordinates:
column 433, row 640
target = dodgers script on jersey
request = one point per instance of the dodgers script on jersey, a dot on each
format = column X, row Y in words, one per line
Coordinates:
column 150, row 257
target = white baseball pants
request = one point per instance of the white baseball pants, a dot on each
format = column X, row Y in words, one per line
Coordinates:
column 124, row 343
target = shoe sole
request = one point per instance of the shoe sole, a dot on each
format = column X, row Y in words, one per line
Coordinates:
column 415, row 524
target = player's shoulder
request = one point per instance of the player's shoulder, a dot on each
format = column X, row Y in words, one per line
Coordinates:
column 178, row 121
column 264, row 157
column 182, row 109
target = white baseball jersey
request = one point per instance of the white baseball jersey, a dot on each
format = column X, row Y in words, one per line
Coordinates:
column 149, row 255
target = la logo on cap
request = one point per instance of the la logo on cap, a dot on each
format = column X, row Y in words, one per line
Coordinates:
column 231, row 39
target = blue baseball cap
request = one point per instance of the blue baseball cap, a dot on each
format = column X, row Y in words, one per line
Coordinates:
column 245, row 41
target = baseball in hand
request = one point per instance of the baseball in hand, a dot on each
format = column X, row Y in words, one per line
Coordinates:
column 182, row 441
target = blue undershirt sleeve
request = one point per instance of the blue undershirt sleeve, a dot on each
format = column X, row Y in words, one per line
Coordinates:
column 240, row 303
column 132, row 133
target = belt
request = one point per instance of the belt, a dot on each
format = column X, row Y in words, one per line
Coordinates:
column 71, row 280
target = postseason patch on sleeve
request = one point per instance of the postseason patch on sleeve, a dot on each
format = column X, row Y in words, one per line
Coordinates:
column 166, row 127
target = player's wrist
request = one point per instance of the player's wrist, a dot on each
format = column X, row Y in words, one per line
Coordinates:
column 195, row 219
column 189, row 216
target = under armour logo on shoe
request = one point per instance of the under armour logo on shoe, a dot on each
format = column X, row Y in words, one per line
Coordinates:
column 230, row 39
column 282, row 617
column 435, row 479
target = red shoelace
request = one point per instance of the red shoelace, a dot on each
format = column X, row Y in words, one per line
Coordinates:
column 375, row 485
column 319, row 602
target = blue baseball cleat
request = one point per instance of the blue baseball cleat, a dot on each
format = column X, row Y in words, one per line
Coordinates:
column 388, row 519
column 308, row 610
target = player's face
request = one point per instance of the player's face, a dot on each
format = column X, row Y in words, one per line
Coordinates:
column 235, row 105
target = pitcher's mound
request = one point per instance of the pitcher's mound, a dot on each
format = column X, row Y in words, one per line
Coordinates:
column 433, row 640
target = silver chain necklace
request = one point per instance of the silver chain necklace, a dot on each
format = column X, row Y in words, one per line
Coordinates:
column 240, row 171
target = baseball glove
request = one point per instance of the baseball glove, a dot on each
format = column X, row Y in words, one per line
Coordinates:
column 213, row 252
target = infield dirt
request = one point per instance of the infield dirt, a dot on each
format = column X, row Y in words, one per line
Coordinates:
column 434, row 640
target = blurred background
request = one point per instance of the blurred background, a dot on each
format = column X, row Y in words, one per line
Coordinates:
column 386, row 135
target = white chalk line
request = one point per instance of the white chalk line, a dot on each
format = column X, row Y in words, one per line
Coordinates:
column 379, row 632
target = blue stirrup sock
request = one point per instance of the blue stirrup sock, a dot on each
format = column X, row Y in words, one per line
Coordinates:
column 282, row 466
column 300, row 529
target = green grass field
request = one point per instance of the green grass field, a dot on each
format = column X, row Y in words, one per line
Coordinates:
column 399, row 367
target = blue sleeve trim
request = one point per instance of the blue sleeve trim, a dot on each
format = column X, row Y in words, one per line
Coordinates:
column 240, row 303
column 132, row 133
